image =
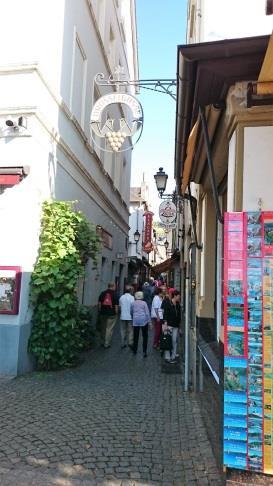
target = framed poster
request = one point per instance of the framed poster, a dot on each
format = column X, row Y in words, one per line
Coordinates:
column 10, row 282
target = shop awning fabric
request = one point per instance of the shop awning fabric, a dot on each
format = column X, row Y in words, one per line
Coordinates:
column 205, row 73
column 265, row 81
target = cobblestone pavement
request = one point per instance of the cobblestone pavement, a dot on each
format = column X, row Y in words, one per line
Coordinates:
column 115, row 420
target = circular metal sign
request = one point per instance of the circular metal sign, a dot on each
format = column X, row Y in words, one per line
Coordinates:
column 115, row 131
column 167, row 212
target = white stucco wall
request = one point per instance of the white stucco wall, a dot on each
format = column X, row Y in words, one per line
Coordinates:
column 220, row 19
column 42, row 78
column 258, row 168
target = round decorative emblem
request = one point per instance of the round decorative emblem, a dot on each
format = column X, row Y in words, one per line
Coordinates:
column 115, row 131
column 167, row 212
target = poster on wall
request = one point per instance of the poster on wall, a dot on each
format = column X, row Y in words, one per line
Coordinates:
column 248, row 324
column 10, row 280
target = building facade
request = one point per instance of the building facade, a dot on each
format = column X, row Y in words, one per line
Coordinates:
column 223, row 163
column 47, row 93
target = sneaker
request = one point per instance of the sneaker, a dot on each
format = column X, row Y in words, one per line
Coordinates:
column 106, row 346
column 172, row 361
column 123, row 346
column 177, row 355
column 144, row 355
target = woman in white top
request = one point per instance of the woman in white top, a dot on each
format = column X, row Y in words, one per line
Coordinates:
column 157, row 316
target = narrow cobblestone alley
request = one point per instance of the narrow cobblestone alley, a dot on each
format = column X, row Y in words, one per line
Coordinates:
column 115, row 420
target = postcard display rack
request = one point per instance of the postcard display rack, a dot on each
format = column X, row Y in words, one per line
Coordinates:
column 248, row 361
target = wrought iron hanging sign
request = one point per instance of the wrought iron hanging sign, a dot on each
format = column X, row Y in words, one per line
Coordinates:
column 115, row 131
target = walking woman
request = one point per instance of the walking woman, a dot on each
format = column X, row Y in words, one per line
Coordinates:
column 141, row 319
column 157, row 316
column 172, row 318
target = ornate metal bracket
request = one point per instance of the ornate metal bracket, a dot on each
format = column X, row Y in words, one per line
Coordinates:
column 118, row 80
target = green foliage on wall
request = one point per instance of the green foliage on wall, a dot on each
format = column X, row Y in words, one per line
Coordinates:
column 67, row 241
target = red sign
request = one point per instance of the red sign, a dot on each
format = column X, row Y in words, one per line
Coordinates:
column 9, row 179
column 148, row 231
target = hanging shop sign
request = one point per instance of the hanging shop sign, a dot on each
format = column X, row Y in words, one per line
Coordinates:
column 147, row 236
column 10, row 281
column 115, row 131
column 167, row 212
column 248, row 324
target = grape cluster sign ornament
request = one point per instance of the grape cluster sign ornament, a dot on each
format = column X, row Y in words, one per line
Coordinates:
column 115, row 131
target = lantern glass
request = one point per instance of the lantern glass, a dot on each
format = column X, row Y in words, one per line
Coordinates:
column 161, row 180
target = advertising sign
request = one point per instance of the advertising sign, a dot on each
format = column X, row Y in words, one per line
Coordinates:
column 115, row 131
column 167, row 212
column 10, row 280
column 147, row 237
column 248, row 321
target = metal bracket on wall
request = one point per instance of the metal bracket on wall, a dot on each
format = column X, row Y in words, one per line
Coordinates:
column 117, row 80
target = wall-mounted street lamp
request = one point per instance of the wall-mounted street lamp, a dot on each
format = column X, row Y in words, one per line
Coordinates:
column 161, row 181
column 136, row 236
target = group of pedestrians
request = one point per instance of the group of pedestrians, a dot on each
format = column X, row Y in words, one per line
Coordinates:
column 152, row 306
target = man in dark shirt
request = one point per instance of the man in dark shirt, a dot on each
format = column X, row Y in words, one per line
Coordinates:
column 108, row 311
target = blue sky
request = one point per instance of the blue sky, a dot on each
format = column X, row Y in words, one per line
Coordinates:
column 161, row 26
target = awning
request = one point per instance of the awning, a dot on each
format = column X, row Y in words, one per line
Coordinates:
column 196, row 148
column 265, row 80
column 205, row 73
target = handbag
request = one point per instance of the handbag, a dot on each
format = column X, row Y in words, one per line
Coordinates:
column 166, row 342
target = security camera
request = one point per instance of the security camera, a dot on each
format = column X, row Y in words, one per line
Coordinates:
column 21, row 122
column 10, row 123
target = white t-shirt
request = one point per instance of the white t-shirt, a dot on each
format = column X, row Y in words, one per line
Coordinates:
column 125, row 303
column 156, row 304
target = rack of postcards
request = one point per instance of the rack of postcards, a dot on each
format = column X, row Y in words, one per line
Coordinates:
column 248, row 320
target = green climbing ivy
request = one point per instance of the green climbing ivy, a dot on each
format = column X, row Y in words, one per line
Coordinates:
column 67, row 241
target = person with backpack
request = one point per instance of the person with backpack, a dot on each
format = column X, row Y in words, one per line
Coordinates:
column 108, row 312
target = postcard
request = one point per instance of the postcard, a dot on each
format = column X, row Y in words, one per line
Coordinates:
column 254, row 263
column 238, row 447
column 235, row 287
column 254, row 326
column 255, row 359
column 268, row 236
column 235, row 254
column 236, row 225
column 235, row 343
column 254, row 247
column 235, row 422
column 237, row 409
column 235, row 322
column 254, row 230
column 235, row 434
column 254, row 217
column 255, row 388
column 235, row 460
column 235, row 397
column 254, row 287
column 235, row 374
column 254, row 271
column 255, row 314
column 235, row 300
column 235, row 241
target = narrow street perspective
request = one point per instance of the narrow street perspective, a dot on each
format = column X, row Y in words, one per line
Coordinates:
column 136, row 242
column 115, row 420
